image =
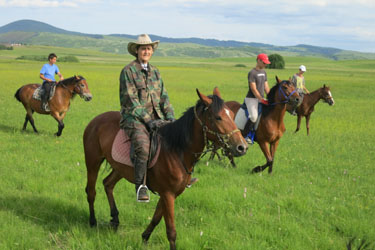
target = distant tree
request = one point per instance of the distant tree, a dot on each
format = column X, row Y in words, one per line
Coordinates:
column 277, row 62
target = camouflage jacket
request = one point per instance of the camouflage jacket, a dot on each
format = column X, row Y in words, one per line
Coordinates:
column 142, row 95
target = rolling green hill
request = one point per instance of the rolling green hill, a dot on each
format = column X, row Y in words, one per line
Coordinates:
column 38, row 33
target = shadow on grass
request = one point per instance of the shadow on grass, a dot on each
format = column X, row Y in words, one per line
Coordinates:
column 49, row 213
column 8, row 129
column 29, row 129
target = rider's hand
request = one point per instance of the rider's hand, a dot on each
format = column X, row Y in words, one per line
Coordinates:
column 151, row 125
column 264, row 101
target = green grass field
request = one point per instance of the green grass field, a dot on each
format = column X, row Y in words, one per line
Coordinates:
column 320, row 196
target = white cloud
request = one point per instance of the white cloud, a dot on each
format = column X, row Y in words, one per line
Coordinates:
column 38, row 3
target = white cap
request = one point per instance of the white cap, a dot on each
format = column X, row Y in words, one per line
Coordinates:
column 302, row 68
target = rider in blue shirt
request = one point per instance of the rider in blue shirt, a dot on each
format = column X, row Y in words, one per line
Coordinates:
column 47, row 74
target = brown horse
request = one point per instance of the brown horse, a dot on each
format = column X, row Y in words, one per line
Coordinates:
column 271, row 125
column 60, row 102
column 182, row 143
column 308, row 103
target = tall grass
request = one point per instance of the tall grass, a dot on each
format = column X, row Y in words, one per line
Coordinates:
column 320, row 195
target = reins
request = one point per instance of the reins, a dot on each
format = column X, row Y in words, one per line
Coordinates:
column 223, row 138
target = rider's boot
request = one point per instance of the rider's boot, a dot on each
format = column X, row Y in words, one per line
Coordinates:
column 140, row 168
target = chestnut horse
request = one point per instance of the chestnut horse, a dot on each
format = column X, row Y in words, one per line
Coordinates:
column 182, row 143
column 271, row 125
column 308, row 103
column 60, row 102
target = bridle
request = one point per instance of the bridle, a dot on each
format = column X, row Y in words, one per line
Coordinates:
column 327, row 98
column 287, row 97
column 80, row 93
column 222, row 138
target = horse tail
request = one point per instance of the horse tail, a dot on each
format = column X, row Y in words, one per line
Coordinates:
column 17, row 94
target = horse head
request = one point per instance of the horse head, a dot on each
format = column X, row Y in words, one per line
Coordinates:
column 287, row 93
column 218, row 124
column 81, row 88
column 326, row 95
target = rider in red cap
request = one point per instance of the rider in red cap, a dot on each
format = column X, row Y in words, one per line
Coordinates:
column 258, row 84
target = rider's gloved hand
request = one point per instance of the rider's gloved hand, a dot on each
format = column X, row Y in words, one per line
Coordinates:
column 264, row 101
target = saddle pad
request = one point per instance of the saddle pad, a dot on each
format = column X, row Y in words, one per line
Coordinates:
column 37, row 94
column 242, row 117
column 121, row 150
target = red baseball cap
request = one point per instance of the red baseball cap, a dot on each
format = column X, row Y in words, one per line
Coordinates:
column 263, row 58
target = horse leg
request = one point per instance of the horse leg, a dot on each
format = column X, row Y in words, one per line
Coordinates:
column 31, row 119
column 109, row 184
column 158, row 214
column 299, row 118
column 92, row 165
column 273, row 148
column 308, row 124
column 264, row 146
column 25, row 124
column 168, row 212
column 59, row 118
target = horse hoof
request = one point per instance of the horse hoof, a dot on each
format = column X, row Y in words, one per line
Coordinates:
column 93, row 223
column 114, row 225
column 256, row 170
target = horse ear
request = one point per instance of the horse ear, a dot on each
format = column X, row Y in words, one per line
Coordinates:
column 76, row 77
column 217, row 92
column 277, row 79
column 207, row 101
column 324, row 86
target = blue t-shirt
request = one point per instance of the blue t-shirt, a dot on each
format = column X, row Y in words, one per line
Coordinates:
column 49, row 71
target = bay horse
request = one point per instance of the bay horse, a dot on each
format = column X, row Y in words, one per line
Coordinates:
column 182, row 143
column 59, row 104
column 308, row 103
column 271, row 125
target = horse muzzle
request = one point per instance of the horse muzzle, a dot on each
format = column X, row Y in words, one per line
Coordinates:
column 87, row 97
column 239, row 149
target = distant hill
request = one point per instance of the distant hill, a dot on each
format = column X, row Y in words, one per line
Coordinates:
column 39, row 33
column 36, row 26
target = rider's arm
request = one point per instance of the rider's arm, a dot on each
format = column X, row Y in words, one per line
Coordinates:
column 44, row 78
column 253, row 88
column 266, row 87
column 60, row 75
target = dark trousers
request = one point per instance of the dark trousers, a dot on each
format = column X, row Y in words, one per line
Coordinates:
column 46, row 87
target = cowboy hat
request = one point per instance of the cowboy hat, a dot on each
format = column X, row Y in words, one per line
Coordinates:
column 143, row 39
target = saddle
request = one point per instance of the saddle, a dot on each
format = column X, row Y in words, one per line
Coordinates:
column 38, row 92
column 242, row 117
column 123, row 152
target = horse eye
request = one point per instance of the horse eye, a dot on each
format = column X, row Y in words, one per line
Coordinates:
column 218, row 118
column 82, row 85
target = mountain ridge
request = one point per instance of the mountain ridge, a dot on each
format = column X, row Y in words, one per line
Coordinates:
column 34, row 32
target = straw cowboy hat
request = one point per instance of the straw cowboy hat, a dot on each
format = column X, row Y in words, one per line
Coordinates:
column 143, row 39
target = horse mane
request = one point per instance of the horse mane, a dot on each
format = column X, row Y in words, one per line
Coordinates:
column 177, row 135
column 266, row 109
column 71, row 80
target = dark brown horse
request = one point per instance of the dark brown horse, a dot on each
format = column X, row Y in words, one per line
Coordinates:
column 60, row 102
column 182, row 143
column 308, row 103
column 271, row 125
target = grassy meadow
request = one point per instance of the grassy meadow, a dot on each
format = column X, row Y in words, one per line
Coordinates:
column 321, row 194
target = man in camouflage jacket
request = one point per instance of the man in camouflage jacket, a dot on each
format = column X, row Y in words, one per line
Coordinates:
column 144, row 102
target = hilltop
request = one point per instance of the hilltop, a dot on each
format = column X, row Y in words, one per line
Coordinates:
column 39, row 33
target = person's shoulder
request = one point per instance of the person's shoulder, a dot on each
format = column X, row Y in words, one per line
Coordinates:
column 130, row 66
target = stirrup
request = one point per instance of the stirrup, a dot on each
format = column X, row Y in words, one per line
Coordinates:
column 143, row 186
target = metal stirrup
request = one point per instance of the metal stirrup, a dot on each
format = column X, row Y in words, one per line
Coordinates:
column 143, row 186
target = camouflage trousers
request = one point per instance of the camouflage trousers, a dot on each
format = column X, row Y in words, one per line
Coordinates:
column 140, row 139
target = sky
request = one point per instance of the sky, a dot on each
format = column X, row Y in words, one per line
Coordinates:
column 343, row 24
